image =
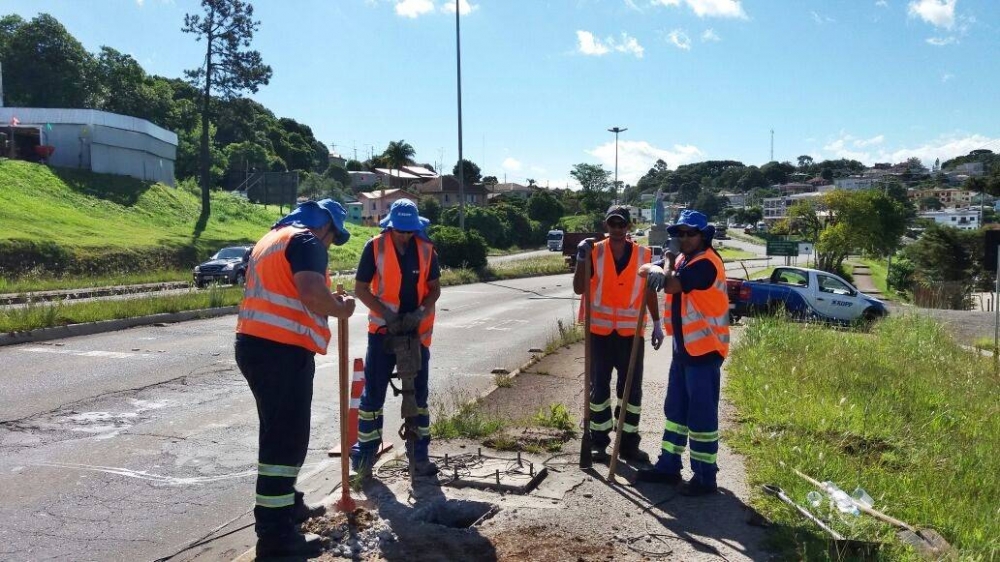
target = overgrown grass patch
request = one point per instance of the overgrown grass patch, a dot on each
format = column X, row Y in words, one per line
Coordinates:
column 32, row 283
column 901, row 411
column 733, row 254
column 46, row 315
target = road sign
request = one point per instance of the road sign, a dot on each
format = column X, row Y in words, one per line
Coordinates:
column 990, row 245
column 782, row 247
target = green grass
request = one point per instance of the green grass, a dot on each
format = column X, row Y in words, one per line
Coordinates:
column 88, row 213
column 34, row 316
column 733, row 254
column 577, row 223
column 902, row 411
column 762, row 274
column 740, row 235
column 33, row 283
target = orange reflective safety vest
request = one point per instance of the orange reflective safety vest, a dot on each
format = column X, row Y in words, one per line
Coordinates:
column 271, row 308
column 705, row 320
column 615, row 299
column 386, row 283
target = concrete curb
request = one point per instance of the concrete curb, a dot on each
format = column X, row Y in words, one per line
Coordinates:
column 90, row 328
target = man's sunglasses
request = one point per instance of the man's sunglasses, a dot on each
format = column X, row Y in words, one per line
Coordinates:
column 687, row 233
column 405, row 231
column 617, row 224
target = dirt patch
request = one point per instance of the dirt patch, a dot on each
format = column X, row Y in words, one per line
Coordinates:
column 541, row 542
column 530, row 440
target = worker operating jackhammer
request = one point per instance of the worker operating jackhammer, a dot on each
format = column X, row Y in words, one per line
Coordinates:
column 397, row 279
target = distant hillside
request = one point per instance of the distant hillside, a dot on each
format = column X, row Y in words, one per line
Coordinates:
column 68, row 221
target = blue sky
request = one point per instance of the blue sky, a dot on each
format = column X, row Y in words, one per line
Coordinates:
column 543, row 80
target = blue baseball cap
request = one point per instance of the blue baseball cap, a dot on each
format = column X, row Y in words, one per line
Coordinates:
column 404, row 215
column 315, row 214
column 690, row 219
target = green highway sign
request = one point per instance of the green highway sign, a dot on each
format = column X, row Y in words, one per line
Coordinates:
column 782, row 247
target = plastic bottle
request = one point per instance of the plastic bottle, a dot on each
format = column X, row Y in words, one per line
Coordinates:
column 841, row 499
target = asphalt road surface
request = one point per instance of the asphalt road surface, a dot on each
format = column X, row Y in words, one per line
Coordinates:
column 130, row 445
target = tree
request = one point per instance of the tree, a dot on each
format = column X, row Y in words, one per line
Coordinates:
column 868, row 221
column 545, row 208
column 708, row 203
column 45, row 66
column 472, row 173
column 805, row 161
column 430, row 208
column 229, row 66
column 398, row 154
column 776, row 173
column 354, row 166
column 531, row 182
column 595, row 184
column 803, row 220
column 931, row 203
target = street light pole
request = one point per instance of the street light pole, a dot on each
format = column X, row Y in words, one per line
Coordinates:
column 461, row 163
column 616, row 130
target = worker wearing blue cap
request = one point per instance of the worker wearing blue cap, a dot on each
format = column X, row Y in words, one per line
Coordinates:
column 282, row 325
column 398, row 280
column 696, row 314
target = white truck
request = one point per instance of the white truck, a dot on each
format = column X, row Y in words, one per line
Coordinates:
column 555, row 240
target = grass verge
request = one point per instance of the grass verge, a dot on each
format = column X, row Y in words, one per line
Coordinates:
column 733, row 254
column 31, row 284
column 903, row 412
column 47, row 315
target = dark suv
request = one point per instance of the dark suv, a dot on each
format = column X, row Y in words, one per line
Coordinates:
column 228, row 265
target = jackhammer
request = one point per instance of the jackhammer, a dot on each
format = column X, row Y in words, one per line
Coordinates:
column 404, row 343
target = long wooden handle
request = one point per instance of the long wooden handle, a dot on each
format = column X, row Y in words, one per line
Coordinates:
column 342, row 350
column 586, row 345
column 640, row 326
column 862, row 507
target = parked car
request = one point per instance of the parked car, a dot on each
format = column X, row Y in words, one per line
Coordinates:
column 228, row 265
column 807, row 294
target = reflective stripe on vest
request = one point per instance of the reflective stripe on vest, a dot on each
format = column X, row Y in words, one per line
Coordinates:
column 615, row 299
column 385, row 284
column 271, row 308
column 704, row 313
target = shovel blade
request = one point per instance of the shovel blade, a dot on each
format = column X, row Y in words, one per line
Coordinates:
column 927, row 542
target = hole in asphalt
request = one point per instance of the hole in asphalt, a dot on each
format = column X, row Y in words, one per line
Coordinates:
column 457, row 514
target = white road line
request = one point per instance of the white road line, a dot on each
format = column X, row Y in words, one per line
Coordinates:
column 80, row 353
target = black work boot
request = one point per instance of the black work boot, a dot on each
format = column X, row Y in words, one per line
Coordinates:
column 633, row 453
column 303, row 512
column 295, row 544
column 600, row 454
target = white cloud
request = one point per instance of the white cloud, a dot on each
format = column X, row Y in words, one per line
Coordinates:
column 709, row 8
column 511, row 165
column 414, row 8
column 947, row 77
column 822, row 18
column 939, row 13
column 631, row 4
column 139, row 2
column 464, row 7
column 635, row 158
column 869, row 142
column 942, row 41
column 680, row 39
column 588, row 44
column 710, row 35
column 944, row 147
column 881, row 4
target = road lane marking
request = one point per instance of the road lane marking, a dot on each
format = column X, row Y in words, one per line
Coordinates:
column 81, row 353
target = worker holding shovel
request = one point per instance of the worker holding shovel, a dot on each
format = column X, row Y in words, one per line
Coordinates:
column 282, row 325
column 696, row 314
column 616, row 294
column 398, row 280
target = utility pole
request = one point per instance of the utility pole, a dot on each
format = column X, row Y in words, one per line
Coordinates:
column 461, row 163
column 616, row 130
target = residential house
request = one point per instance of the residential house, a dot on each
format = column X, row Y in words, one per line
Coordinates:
column 949, row 197
column 445, row 190
column 355, row 212
column 855, row 183
column 790, row 188
column 512, row 190
column 375, row 204
column 736, row 200
column 396, row 178
column 776, row 208
column 965, row 219
column 362, row 180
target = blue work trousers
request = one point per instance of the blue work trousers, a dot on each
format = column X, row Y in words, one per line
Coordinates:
column 692, row 412
column 378, row 369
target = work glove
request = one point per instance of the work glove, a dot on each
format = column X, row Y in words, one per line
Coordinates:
column 656, row 279
column 392, row 321
column 583, row 249
column 411, row 321
column 657, row 335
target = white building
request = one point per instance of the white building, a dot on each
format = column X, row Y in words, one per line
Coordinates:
column 964, row 219
column 361, row 180
column 776, row 208
column 735, row 199
column 854, row 183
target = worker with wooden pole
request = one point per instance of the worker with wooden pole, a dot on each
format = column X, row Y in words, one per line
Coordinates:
column 616, row 301
column 282, row 325
column 345, row 504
